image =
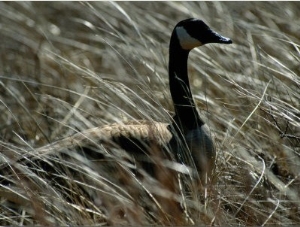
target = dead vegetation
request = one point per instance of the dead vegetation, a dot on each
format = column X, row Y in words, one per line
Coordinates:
column 68, row 67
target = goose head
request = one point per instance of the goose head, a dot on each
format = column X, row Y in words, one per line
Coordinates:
column 193, row 33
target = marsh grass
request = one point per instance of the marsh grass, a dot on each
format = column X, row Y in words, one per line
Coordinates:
column 68, row 67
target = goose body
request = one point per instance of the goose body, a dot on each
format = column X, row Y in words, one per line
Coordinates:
column 187, row 137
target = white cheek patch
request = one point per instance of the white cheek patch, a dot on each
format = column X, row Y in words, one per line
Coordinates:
column 186, row 41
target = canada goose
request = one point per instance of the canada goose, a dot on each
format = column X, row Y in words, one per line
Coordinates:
column 187, row 136
column 189, row 128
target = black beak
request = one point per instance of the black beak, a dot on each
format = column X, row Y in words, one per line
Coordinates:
column 214, row 37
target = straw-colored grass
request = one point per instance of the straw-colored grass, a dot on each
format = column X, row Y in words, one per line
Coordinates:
column 67, row 67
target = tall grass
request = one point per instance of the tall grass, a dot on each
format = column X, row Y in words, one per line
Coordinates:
column 68, row 67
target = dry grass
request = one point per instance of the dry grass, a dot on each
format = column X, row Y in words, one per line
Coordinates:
column 67, row 67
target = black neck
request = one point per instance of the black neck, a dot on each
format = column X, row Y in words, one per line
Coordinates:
column 186, row 116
